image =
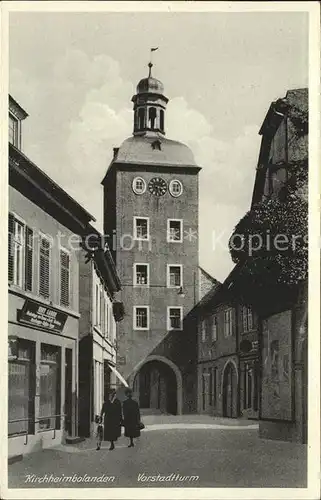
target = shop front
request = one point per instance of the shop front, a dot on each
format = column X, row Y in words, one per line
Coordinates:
column 42, row 385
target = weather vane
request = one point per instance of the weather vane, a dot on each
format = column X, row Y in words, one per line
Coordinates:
column 150, row 64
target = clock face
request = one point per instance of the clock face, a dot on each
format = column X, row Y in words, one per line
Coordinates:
column 157, row 186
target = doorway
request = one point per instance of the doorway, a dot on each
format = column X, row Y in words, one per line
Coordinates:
column 230, row 392
column 68, row 391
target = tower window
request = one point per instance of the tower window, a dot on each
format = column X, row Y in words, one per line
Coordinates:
column 174, row 276
column 139, row 185
column 174, row 318
column 175, row 188
column 175, row 230
column 151, row 118
column 161, row 116
column 141, row 228
column 141, row 118
column 141, row 317
column 141, row 274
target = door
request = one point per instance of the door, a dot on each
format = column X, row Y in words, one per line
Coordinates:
column 144, row 385
column 229, row 392
column 68, row 391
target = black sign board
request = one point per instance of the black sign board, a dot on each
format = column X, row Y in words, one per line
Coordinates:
column 42, row 316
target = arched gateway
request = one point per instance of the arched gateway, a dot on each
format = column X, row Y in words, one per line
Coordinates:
column 157, row 384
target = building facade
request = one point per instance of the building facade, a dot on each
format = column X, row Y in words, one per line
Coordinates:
column 98, row 287
column 43, row 288
column 228, row 384
column 151, row 217
column 283, row 171
column 275, row 279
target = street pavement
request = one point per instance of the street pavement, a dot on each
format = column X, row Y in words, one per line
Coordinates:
column 173, row 451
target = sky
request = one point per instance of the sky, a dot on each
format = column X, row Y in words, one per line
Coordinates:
column 75, row 74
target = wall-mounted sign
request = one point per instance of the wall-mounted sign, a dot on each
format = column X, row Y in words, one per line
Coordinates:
column 121, row 360
column 41, row 316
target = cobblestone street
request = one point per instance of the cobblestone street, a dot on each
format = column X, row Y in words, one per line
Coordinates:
column 222, row 453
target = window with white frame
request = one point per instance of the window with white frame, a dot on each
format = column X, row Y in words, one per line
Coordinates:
column 139, row 185
column 20, row 253
column 44, row 267
column 228, row 322
column 18, row 248
column 141, row 274
column 175, row 230
column 97, row 305
column 214, row 328
column 247, row 319
column 64, row 278
column 175, row 188
column 102, row 311
column 13, row 131
column 174, row 275
column 141, row 228
column 174, row 318
column 141, row 317
column 106, row 332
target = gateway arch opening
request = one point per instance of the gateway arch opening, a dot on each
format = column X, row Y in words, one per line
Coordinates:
column 157, row 387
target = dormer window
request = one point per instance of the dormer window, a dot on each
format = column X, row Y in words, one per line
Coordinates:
column 156, row 145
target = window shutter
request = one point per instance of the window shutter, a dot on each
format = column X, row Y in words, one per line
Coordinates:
column 10, row 247
column 44, row 268
column 64, row 278
column 28, row 259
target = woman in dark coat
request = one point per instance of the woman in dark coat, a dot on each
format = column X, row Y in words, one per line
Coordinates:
column 111, row 411
column 131, row 415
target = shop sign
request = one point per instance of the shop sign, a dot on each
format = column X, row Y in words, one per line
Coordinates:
column 41, row 316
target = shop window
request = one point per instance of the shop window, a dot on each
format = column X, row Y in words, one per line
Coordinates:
column 50, row 374
column 21, row 389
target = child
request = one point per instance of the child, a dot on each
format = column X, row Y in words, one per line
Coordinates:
column 100, row 431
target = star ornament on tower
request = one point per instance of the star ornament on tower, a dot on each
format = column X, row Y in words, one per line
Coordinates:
column 190, row 234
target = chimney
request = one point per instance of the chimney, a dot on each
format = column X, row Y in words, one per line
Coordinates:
column 115, row 153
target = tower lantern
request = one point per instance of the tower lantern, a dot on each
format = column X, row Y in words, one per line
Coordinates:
column 149, row 106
